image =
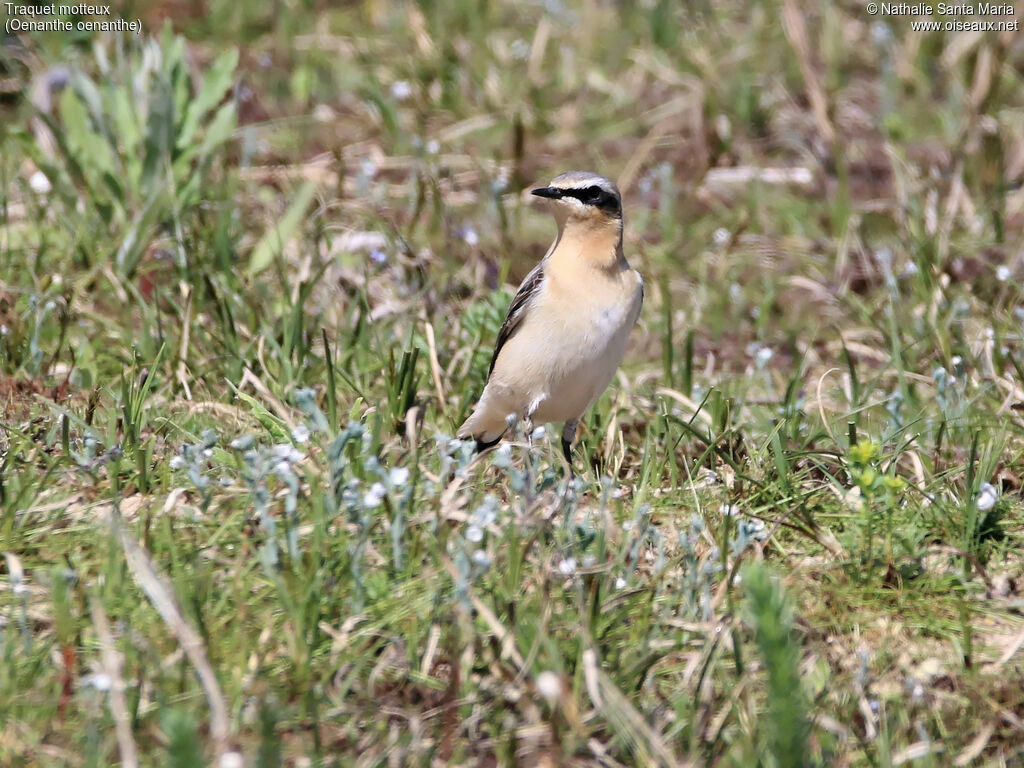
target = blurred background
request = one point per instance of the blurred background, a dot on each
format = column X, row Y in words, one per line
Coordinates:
column 770, row 154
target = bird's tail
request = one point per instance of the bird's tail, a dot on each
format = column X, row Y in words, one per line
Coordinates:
column 486, row 432
column 483, row 445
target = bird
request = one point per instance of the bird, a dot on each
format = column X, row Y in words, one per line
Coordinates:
column 568, row 325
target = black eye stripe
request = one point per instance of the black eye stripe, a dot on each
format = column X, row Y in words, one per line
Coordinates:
column 595, row 196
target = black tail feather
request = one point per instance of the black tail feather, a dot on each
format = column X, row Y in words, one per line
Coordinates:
column 483, row 445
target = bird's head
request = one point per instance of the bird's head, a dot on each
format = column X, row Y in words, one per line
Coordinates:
column 584, row 198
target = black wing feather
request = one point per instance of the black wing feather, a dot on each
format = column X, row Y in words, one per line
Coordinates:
column 517, row 310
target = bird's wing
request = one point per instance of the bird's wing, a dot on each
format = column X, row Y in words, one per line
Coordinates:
column 517, row 310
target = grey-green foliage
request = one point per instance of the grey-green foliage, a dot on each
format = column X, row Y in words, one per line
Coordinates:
column 771, row 616
column 136, row 145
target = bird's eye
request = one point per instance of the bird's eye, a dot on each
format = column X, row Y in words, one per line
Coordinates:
column 604, row 200
column 597, row 197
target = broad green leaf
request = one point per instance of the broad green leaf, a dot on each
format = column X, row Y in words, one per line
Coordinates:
column 275, row 426
column 216, row 83
column 220, row 129
column 273, row 241
column 159, row 130
column 134, row 242
column 128, row 128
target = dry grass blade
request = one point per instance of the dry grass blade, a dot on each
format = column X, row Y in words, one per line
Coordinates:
column 162, row 598
column 435, row 366
column 975, row 748
column 111, row 661
column 182, row 369
column 796, row 31
column 1011, row 649
column 622, row 716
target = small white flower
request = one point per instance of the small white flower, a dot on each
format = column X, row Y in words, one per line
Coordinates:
column 854, row 499
column 287, row 452
column 470, row 236
column 242, row 443
column 538, row 433
column 881, row 35
column 433, row 147
column 1002, row 273
column 400, row 90
column 207, row 453
column 101, row 681
column 374, row 496
column 987, row 497
column 231, row 760
column 549, row 685
column 368, row 168
column 39, row 183
column 359, row 241
column 764, row 354
column 301, row 433
column 568, row 566
column 177, row 462
column 705, row 478
column 729, row 510
column 481, row 559
column 755, row 526
column 722, row 127
column 620, row 583
column 399, row 476
column 56, row 279
column 910, row 270
column 721, row 236
column 475, row 534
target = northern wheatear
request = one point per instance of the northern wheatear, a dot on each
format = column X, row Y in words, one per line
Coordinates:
column 567, row 328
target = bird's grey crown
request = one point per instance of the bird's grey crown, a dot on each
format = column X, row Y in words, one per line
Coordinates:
column 589, row 190
column 584, row 179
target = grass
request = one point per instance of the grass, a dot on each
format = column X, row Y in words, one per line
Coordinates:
column 251, row 271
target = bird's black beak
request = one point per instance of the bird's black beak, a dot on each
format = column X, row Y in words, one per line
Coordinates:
column 551, row 192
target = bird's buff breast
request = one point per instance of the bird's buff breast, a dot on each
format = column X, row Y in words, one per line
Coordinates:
column 564, row 362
